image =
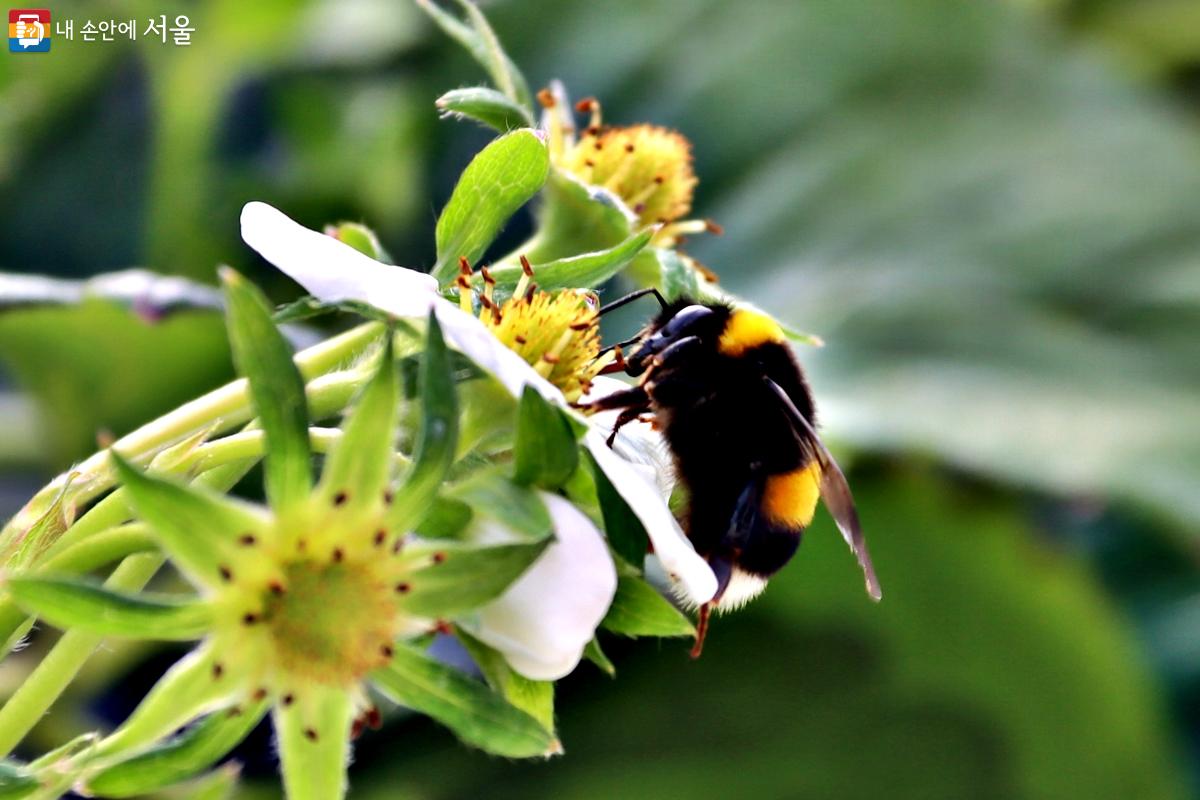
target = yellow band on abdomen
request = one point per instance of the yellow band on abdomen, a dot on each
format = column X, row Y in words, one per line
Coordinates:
column 790, row 498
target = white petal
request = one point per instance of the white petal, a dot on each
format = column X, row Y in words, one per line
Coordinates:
column 333, row 271
column 689, row 573
column 543, row 622
column 637, row 442
column 471, row 337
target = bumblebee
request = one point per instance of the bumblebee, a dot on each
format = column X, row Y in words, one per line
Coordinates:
column 737, row 414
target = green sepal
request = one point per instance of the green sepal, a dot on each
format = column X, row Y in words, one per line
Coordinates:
column 595, row 654
column 546, row 451
column 359, row 466
column 16, row 781
column 188, row 754
column 198, row 528
column 436, row 441
column 480, row 41
column 264, row 357
column 42, row 535
column 487, row 106
column 491, row 493
column 679, row 279
column 454, row 579
column 361, row 238
column 499, row 180
column 535, row 698
column 574, row 218
column 578, row 271
column 639, row 610
column 477, row 715
column 314, row 743
column 625, row 532
column 217, row 784
column 87, row 605
column 447, row 519
column 309, row 307
column 194, row 685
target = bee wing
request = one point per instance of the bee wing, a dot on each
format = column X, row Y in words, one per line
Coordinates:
column 835, row 492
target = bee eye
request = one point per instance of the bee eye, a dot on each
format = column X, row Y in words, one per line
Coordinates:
column 684, row 321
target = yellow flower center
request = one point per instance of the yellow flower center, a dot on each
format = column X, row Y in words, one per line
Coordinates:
column 333, row 623
column 557, row 333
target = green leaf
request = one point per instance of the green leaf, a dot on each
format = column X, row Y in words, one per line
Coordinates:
column 314, row 743
column 80, row 603
column 476, row 714
column 193, row 686
column 625, row 533
column 265, row 358
column 491, row 493
column 199, row 528
column 546, row 452
column 456, row 578
column 186, row 755
column 594, row 654
column 438, row 437
column 535, row 698
column 360, row 464
column 480, row 41
column 577, row 271
column 639, row 610
column 488, row 106
column 497, row 182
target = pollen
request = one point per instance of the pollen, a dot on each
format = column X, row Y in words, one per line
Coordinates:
column 557, row 333
column 648, row 167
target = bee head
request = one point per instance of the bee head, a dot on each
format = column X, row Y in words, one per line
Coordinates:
column 680, row 320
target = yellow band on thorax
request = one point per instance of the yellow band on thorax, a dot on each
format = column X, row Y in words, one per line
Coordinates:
column 747, row 329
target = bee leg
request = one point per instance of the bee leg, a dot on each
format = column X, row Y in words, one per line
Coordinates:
column 723, row 569
column 701, row 630
column 626, row 416
column 633, row 396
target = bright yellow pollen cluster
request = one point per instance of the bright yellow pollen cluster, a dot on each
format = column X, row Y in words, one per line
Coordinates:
column 648, row 167
column 557, row 333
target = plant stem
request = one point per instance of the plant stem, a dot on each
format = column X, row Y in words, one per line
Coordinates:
column 65, row 659
column 225, row 407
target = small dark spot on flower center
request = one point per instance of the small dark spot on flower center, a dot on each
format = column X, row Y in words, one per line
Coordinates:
column 247, row 540
column 340, row 498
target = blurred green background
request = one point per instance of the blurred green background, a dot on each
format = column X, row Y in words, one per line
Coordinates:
column 989, row 210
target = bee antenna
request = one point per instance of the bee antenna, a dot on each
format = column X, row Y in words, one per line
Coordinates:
column 629, row 298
